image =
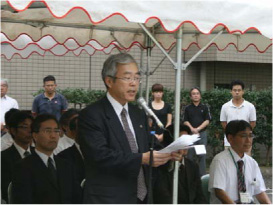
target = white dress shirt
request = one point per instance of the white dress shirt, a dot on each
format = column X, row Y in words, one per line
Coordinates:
column 21, row 150
column 246, row 111
column 118, row 108
column 6, row 104
column 44, row 157
column 63, row 143
column 223, row 175
column 6, row 141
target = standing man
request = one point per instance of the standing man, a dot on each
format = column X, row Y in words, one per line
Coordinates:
column 113, row 136
column 6, row 102
column 237, row 108
column 197, row 117
column 43, row 178
column 235, row 177
column 50, row 101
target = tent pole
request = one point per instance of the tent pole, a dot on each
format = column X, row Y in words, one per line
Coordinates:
column 142, row 71
column 149, row 48
column 156, row 42
column 201, row 50
column 177, row 106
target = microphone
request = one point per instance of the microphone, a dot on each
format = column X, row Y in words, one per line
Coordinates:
column 144, row 105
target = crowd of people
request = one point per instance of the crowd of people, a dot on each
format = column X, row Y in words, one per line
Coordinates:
column 101, row 154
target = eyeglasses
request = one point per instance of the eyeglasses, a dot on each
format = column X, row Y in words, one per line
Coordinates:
column 251, row 136
column 128, row 79
column 23, row 127
column 51, row 131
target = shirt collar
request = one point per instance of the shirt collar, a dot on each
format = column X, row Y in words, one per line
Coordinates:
column 236, row 156
column 21, row 150
column 55, row 95
column 44, row 157
column 78, row 147
column 242, row 105
column 4, row 97
column 116, row 105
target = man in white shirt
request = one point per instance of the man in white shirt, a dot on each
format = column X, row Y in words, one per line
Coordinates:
column 237, row 108
column 235, row 177
column 6, row 102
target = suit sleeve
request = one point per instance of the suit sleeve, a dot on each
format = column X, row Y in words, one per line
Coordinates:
column 21, row 185
column 94, row 141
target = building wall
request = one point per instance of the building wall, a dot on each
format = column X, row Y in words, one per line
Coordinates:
column 84, row 71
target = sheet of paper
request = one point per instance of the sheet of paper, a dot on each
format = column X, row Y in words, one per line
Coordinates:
column 200, row 149
column 183, row 142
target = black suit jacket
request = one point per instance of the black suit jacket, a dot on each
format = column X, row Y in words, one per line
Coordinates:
column 111, row 167
column 32, row 183
column 189, row 193
column 73, row 155
column 8, row 159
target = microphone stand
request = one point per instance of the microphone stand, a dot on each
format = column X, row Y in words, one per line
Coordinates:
column 150, row 186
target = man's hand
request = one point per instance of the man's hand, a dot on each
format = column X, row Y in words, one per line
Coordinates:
column 176, row 156
column 159, row 137
column 194, row 130
column 158, row 158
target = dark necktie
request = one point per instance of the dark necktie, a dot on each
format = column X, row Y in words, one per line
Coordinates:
column 52, row 170
column 141, row 186
column 26, row 153
column 241, row 177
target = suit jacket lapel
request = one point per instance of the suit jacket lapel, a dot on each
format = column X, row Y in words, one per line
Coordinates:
column 43, row 169
column 116, row 126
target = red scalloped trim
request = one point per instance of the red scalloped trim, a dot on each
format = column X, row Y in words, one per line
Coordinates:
column 120, row 14
column 107, row 53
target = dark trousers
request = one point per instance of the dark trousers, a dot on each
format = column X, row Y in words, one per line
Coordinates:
column 201, row 159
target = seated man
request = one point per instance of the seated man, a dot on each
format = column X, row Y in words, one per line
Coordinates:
column 189, row 182
column 43, row 178
column 235, row 177
column 20, row 130
column 6, row 139
column 67, row 140
column 73, row 154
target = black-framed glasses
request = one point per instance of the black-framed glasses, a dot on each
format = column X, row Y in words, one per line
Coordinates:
column 128, row 79
column 23, row 127
column 251, row 135
column 51, row 131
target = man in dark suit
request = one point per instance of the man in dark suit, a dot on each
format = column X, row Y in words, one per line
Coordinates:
column 113, row 137
column 20, row 130
column 189, row 182
column 43, row 178
column 73, row 154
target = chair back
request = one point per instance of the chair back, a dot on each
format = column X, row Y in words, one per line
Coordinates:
column 205, row 186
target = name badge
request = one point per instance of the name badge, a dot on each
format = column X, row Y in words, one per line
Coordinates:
column 245, row 198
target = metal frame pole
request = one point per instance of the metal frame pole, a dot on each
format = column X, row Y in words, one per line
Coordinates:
column 177, row 106
column 149, row 48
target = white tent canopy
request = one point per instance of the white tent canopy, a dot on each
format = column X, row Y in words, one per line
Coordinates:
column 85, row 21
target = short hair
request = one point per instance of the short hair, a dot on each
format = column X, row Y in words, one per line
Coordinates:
column 17, row 117
column 8, row 115
column 168, row 133
column 193, row 88
column 4, row 81
column 237, row 82
column 235, row 126
column 157, row 88
column 66, row 116
column 110, row 65
column 49, row 78
column 73, row 124
column 36, row 125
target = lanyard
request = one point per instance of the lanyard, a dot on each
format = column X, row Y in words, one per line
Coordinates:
column 238, row 171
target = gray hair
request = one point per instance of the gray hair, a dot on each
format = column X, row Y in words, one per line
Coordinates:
column 4, row 81
column 110, row 65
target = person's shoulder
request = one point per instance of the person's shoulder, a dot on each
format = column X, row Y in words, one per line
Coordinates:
column 39, row 96
column 247, row 103
column 96, row 106
column 8, row 151
column 221, row 157
column 66, row 152
column 251, row 160
column 228, row 103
